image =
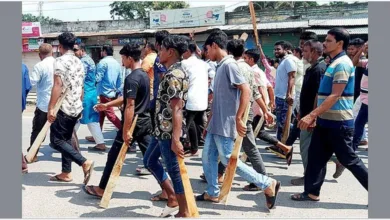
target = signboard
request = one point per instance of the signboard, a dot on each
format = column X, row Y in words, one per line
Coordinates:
column 31, row 29
column 190, row 17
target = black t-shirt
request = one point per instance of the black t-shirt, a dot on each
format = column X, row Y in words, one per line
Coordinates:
column 136, row 86
column 311, row 83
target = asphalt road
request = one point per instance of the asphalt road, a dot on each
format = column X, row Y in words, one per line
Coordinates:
column 341, row 198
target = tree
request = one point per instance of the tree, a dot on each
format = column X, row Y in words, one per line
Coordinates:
column 134, row 10
column 43, row 20
column 338, row 3
column 276, row 5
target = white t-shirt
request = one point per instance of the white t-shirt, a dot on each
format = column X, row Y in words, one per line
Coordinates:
column 198, row 73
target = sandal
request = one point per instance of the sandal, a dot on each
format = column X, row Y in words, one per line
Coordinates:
column 87, row 174
column 303, row 197
column 142, row 171
column 57, row 179
column 272, row 199
column 168, row 211
column 91, row 191
column 158, row 198
column 96, row 149
column 289, row 156
column 202, row 198
column 90, row 139
column 251, row 187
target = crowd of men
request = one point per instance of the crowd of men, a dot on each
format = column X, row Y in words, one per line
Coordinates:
column 186, row 96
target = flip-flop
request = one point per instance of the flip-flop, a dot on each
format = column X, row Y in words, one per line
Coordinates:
column 87, row 175
column 90, row 139
column 94, row 193
column 251, row 187
column 289, row 156
column 96, row 149
column 272, row 199
column 303, row 197
column 57, row 179
column 158, row 198
column 202, row 198
column 168, row 211
column 141, row 171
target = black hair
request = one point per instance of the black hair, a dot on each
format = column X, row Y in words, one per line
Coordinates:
column 67, row 40
column 176, row 42
column 270, row 61
column 160, row 36
column 308, row 35
column 357, row 42
column 218, row 37
column 340, row 34
column 82, row 46
column 253, row 53
column 236, row 47
column 285, row 44
column 131, row 50
column 151, row 46
column 298, row 50
column 192, row 46
column 109, row 50
column 316, row 46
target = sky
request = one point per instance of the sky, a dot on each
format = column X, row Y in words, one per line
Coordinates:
column 100, row 10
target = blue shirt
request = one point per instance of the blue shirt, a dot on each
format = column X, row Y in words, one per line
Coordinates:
column 90, row 73
column 109, row 77
column 26, row 86
column 339, row 71
column 159, row 70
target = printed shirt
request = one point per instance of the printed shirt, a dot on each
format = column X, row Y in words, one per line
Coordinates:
column 339, row 71
column 148, row 67
column 174, row 84
column 263, row 82
column 71, row 71
column 42, row 77
column 109, row 77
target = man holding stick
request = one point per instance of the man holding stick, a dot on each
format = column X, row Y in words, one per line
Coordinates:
column 136, row 96
column 231, row 98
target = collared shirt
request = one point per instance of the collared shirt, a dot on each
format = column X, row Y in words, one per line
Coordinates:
column 71, row 71
column 286, row 66
column 198, row 74
column 90, row 73
column 159, row 70
column 147, row 66
column 109, row 77
column 339, row 71
column 174, row 84
column 42, row 77
column 26, row 86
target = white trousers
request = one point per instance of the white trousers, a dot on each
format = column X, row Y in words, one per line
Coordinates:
column 94, row 128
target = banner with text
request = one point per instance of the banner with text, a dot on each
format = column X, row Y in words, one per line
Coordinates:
column 31, row 29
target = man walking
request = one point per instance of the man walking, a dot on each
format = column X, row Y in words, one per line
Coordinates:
column 26, row 87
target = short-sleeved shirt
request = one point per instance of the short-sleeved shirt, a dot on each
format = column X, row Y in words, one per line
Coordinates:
column 42, row 78
column 158, row 71
column 299, row 73
column 174, row 84
column 226, row 98
column 137, row 87
column 311, row 83
column 339, row 71
column 71, row 71
column 286, row 66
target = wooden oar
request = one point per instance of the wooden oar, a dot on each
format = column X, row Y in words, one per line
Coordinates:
column 116, row 171
column 42, row 134
column 189, row 194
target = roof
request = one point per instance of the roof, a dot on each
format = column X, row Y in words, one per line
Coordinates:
column 260, row 26
column 363, row 30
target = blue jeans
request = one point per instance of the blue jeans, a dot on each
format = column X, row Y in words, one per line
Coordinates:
column 360, row 122
column 162, row 148
column 216, row 145
column 281, row 113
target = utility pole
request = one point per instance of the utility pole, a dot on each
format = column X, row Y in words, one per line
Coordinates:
column 40, row 11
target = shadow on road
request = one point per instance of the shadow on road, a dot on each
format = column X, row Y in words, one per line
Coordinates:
column 42, row 179
column 119, row 212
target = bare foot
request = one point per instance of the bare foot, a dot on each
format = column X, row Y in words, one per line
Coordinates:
column 95, row 190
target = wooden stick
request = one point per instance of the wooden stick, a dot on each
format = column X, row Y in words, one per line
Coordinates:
column 232, row 165
column 116, row 171
column 286, row 128
column 42, row 134
column 255, row 133
column 188, row 192
column 254, row 24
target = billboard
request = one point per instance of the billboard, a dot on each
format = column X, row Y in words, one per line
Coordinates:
column 31, row 29
column 189, row 17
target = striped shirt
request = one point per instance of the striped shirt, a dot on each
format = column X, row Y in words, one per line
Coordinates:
column 339, row 71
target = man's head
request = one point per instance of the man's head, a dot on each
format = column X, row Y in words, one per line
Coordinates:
column 336, row 41
column 215, row 42
column 172, row 49
column 66, row 42
column 160, row 36
column 354, row 46
column 298, row 52
column 251, row 56
column 107, row 51
column 45, row 50
column 305, row 36
column 236, row 47
column 131, row 54
column 150, row 48
column 79, row 50
column 191, row 49
column 312, row 50
column 281, row 48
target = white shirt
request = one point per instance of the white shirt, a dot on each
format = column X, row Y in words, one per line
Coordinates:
column 42, row 77
column 262, row 81
column 198, row 73
column 299, row 73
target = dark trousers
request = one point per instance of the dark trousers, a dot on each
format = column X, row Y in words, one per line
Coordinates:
column 294, row 133
column 61, row 138
column 141, row 135
column 110, row 113
column 325, row 142
column 39, row 121
column 263, row 135
column 360, row 123
column 194, row 121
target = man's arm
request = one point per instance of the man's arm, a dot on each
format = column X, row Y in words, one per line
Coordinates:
column 100, row 71
column 244, row 102
column 357, row 56
column 177, row 119
column 271, row 95
column 35, row 76
column 128, row 120
column 337, row 90
column 290, row 86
